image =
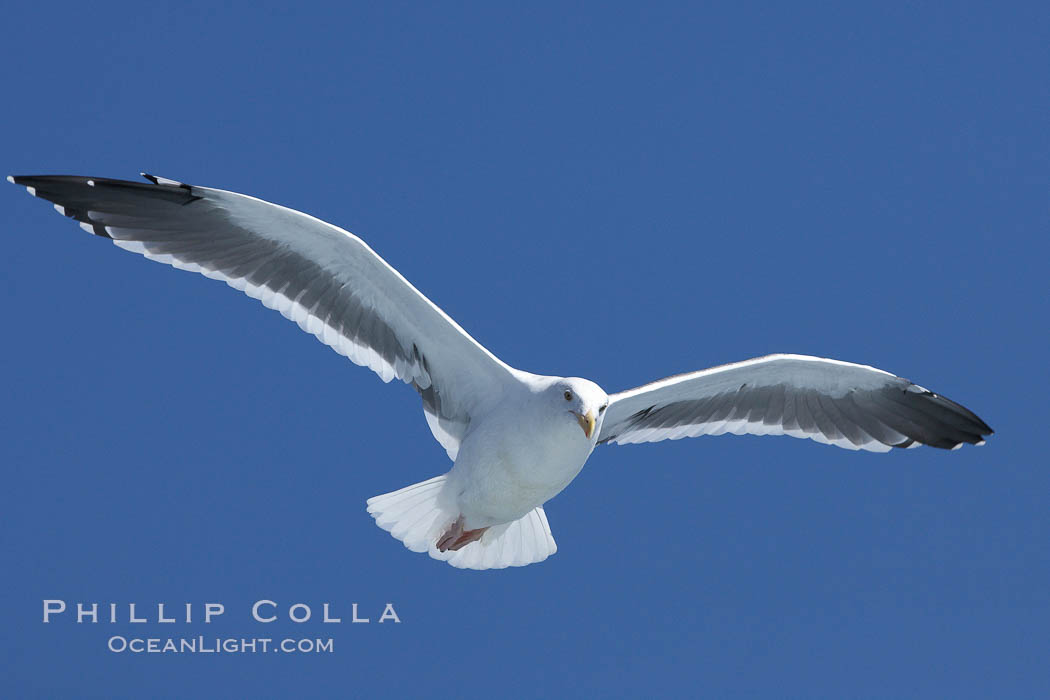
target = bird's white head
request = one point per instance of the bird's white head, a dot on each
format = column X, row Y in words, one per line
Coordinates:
column 583, row 401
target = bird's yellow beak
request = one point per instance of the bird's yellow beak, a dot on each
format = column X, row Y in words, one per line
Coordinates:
column 586, row 422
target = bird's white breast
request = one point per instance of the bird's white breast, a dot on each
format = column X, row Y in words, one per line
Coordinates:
column 519, row 457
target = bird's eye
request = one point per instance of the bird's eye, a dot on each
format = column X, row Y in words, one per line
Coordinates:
column 568, row 395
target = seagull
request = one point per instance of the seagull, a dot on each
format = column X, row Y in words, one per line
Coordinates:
column 516, row 439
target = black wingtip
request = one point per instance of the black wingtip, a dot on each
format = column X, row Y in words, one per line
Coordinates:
column 100, row 231
column 76, row 196
column 23, row 181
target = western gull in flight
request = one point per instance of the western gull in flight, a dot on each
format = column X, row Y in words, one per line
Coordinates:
column 516, row 439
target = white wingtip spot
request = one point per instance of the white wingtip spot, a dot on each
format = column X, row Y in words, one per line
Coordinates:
column 90, row 183
column 158, row 180
column 60, row 209
column 11, row 179
column 979, row 443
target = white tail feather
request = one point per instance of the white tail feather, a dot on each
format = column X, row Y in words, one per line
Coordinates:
column 419, row 514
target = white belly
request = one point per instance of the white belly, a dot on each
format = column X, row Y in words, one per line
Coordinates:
column 503, row 471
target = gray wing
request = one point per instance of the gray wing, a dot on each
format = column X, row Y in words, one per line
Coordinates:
column 837, row 403
column 318, row 275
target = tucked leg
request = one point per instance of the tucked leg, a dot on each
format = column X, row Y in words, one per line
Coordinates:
column 456, row 538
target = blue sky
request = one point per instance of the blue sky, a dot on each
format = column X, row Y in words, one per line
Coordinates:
column 603, row 190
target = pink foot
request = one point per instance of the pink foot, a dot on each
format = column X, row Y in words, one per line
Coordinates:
column 456, row 538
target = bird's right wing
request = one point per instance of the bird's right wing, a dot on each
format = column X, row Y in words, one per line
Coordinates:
column 316, row 274
column 838, row 403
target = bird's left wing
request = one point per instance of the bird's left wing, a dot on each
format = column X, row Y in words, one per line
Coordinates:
column 316, row 274
column 837, row 403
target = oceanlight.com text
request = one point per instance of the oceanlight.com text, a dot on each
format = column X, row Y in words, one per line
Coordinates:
column 219, row 645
